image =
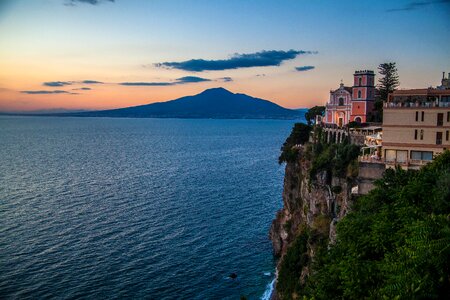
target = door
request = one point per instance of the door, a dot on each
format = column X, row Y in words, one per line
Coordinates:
column 340, row 121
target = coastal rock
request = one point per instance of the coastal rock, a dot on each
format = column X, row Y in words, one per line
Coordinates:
column 309, row 204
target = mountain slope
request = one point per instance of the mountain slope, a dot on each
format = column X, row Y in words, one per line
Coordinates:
column 211, row 103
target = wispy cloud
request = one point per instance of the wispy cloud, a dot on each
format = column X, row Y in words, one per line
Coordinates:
column 417, row 5
column 91, row 82
column 146, row 83
column 181, row 80
column 42, row 92
column 236, row 61
column 64, row 83
column 82, row 89
column 92, row 2
column 57, row 83
column 305, row 68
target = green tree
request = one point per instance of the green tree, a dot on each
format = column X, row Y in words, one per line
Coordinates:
column 311, row 114
column 388, row 81
column 299, row 136
column 395, row 244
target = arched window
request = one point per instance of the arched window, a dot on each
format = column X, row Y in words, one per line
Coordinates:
column 341, row 101
column 358, row 120
column 359, row 81
column 359, row 94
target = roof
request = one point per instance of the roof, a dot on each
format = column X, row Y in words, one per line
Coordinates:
column 421, row 92
column 349, row 89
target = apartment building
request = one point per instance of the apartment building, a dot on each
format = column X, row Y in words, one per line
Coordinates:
column 416, row 126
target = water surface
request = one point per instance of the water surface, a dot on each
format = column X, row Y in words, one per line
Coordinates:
column 137, row 208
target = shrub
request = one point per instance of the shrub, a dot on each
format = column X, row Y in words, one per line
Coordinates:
column 299, row 136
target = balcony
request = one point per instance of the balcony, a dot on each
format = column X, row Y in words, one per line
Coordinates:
column 381, row 160
column 415, row 104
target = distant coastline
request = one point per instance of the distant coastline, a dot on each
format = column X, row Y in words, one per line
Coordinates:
column 216, row 103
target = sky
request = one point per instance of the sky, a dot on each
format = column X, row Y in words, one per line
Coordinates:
column 100, row 54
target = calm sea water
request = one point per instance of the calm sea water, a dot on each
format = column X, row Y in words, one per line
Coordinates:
column 137, row 208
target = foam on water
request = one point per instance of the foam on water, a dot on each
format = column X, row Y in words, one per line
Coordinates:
column 269, row 290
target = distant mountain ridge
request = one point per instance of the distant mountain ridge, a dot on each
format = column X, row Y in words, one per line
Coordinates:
column 212, row 103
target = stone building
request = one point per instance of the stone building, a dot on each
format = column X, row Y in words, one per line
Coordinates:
column 416, row 126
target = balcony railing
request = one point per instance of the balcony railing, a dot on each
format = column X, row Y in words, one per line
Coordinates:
column 416, row 104
column 382, row 160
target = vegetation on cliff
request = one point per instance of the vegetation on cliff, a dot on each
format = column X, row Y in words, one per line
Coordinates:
column 311, row 114
column 299, row 135
column 337, row 159
column 395, row 244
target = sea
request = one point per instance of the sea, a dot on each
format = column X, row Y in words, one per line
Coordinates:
column 115, row 208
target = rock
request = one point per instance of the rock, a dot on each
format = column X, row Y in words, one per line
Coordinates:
column 233, row 276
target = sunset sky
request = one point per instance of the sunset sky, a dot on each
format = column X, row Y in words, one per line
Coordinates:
column 97, row 54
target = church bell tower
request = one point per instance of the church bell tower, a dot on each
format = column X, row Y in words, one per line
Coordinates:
column 363, row 95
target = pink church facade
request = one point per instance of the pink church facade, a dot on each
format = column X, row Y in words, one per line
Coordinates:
column 352, row 104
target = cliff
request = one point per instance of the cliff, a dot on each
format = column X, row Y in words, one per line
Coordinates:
column 315, row 197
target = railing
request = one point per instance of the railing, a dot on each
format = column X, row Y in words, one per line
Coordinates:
column 382, row 160
column 416, row 104
column 371, row 159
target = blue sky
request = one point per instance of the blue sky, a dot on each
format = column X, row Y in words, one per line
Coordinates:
column 122, row 41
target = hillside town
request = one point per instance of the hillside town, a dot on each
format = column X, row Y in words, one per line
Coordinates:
column 415, row 126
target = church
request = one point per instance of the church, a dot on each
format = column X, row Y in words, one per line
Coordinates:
column 352, row 104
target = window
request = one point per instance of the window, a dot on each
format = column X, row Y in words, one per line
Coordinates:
column 359, row 81
column 359, row 94
column 400, row 156
column 341, row 101
column 446, row 135
column 438, row 138
column 390, row 155
column 421, row 134
column 417, row 116
column 421, row 155
column 440, row 119
column 415, row 134
column 423, row 115
column 448, row 116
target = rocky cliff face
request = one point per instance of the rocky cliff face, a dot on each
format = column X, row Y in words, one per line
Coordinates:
column 309, row 204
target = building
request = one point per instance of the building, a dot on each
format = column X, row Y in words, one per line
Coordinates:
column 416, row 126
column 352, row 104
column 445, row 82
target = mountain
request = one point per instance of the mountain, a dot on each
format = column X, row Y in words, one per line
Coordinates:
column 212, row 103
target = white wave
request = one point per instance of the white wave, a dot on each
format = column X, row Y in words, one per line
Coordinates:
column 269, row 290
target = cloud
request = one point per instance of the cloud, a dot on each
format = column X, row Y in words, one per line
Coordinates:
column 56, row 83
column 257, row 59
column 305, row 68
column 146, row 83
column 189, row 79
column 181, row 80
column 91, row 82
column 92, row 2
column 226, row 79
column 46, row 92
column 82, row 89
column 417, row 5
